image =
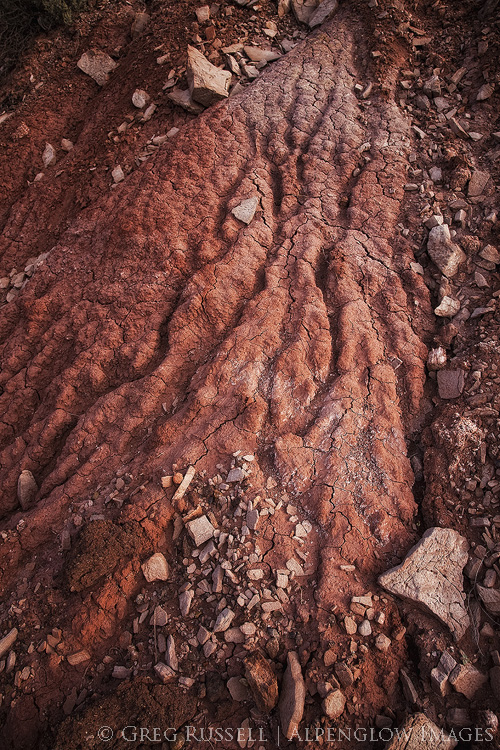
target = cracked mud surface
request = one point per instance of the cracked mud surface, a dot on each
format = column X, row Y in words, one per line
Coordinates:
column 160, row 332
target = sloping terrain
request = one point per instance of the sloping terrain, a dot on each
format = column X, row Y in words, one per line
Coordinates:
column 283, row 357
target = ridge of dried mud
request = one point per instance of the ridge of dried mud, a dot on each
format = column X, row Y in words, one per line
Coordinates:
column 160, row 332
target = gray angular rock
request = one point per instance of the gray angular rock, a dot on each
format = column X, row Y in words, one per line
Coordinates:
column 477, row 183
column 96, row 64
column 207, row 84
column 446, row 254
column 184, row 99
column 450, row 383
column 293, row 695
column 324, row 11
column 431, row 575
column 420, row 733
column 200, row 530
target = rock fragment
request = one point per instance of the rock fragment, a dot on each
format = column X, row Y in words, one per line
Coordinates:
column 431, row 575
column 156, row 568
column 293, row 695
column 49, row 157
column 224, row 620
column 184, row 99
column 477, row 183
column 446, row 254
column 245, row 211
column 139, row 24
column 468, row 680
column 96, row 64
column 8, row 641
column 324, row 11
column 207, row 84
column 200, row 530
column 26, row 489
column 420, row 733
column 334, row 703
column 262, row 681
column 450, row 383
column 485, row 92
column 140, row 98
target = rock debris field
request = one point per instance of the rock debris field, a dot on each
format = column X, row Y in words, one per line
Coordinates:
column 250, row 383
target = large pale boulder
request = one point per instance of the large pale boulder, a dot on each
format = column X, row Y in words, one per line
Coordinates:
column 207, row 84
column 431, row 575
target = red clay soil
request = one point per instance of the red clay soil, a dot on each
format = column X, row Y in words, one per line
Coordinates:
column 161, row 332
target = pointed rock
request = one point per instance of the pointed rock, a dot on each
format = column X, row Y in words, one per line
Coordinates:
column 245, row 212
column 262, row 681
column 184, row 99
column 207, row 84
column 420, row 733
column 324, row 11
column 156, row 568
column 293, row 695
column 431, row 575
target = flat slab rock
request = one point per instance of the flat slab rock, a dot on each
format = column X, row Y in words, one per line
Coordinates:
column 431, row 575
column 450, row 383
column 420, row 733
column 207, row 84
column 96, row 64
column 293, row 695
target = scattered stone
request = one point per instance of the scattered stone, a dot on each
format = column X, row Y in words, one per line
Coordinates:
column 450, row 383
column 202, row 14
column 185, row 600
column 200, row 530
column 203, row 635
column 420, row 733
column 160, row 617
column 49, row 157
column 78, row 658
column 245, row 212
column 171, row 656
column 490, row 598
column 485, row 92
column 409, row 689
column 156, row 568
column 140, row 98
column 139, row 24
column 431, row 575
column 184, row 99
column 447, row 308
column 324, row 11
column 350, row 625
column 436, row 358
column 235, row 475
column 121, row 673
column 66, row 145
column 8, row 641
column 329, row 658
column 256, row 54
column 293, row 695
column 344, row 674
column 446, row 255
column 466, row 679
column 364, row 628
column 26, row 489
column 382, row 642
column 164, row 672
column 262, row 681
column 491, row 254
column 477, row 183
column 237, row 689
column 96, row 64
column 224, row 620
column 439, row 681
column 207, row 83
column 183, row 486
column 333, row 705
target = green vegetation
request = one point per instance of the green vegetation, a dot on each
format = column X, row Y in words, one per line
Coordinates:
column 21, row 19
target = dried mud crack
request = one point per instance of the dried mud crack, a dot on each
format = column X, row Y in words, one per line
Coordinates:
column 214, row 378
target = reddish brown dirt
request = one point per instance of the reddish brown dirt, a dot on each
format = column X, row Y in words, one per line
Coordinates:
column 160, row 332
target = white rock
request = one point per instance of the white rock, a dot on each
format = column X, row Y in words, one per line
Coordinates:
column 447, row 308
column 156, row 568
column 224, row 620
column 140, row 98
column 446, row 254
column 49, row 157
column 245, row 211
